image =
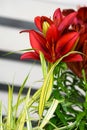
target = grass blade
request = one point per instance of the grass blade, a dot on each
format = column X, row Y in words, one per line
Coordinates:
column 45, row 93
column 10, row 114
column 19, row 94
column 46, row 85
column 29, row 125
column 43, row 64
column 49, row 113
column 1, row 127
column 22, row 116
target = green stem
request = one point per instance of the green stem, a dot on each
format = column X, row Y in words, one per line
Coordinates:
column 49, row 66
column 85, row 86
column 70, row 126
column 86, row 97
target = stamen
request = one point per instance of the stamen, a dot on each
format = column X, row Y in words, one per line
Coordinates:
column 45, row 27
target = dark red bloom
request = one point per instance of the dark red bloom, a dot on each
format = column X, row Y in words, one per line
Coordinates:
column 51, row 40
column 80, row 25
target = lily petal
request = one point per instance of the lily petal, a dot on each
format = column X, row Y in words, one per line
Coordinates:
column 66, row 12
column 52, row 34
column 66, row 43
column 73, row 58
column 30, row 55
column 39, row 21
column 83, row 38
column 37, row 41
column 67, row 21
column 82, row 14
column 57, row 16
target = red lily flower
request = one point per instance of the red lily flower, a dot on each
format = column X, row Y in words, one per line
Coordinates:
column 59, row 20
column 80, row 25
column 80, row 21
column 51, row 40
column 52, row 48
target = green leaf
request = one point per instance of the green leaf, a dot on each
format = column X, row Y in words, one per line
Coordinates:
column 61, row 117
column 47, row 85
column 19, row 94
column 84, row 77
column 34, row 98
column 12, row 52
column 45, row 92
column 52, row 124
column 82, row 125
column 57, row 95
column 43, row 64
column 1, row 127
column 68, row 127
column 22, row 116
column 49, row 113
column 10, row 108
column 80, row 117
column 28, row 121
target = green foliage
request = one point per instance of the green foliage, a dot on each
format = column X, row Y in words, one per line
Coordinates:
column 61, row 102
column 13, row 120
column 72, row 110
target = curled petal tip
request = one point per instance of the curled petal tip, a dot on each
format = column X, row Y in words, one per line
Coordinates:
column 24, row 31
column 30, row 55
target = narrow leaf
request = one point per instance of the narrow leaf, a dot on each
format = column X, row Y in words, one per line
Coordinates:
column 49, row 113
column 22, row 116
column 43, row 64
column 29, row 125
column 19, row 94
column 34, row 98
column 10, row 100
column 46, row 85
column 45, row 93
column 1, row 128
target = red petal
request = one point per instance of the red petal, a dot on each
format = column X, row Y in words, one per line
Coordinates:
column 44, row 18
column 52, row 34
column 37, row 21
column 66, row 21
column 37, row 41
column 57, row 16
column 82, row 13
column 76, row 68
column 83, row 38
column 30, row 55
column 73, row 58
column 66, row 43
column 66, row 12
